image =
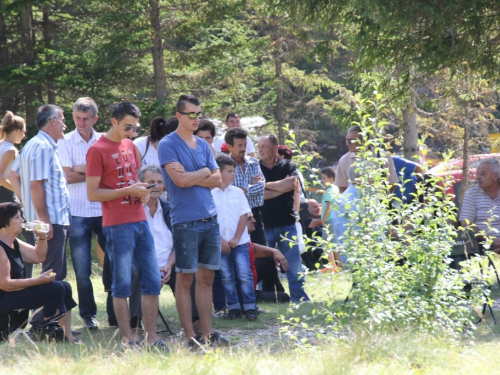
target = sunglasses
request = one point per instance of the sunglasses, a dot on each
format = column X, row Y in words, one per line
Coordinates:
column 193, row 115
column 351, row 141
column 128, row 127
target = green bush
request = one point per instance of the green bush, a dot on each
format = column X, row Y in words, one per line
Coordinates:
column 398, row 258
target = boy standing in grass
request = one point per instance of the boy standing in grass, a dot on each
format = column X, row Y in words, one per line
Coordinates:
column 232, row 211
column 332, row 191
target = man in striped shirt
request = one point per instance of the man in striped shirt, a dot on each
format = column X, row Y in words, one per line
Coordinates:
column 86, row 216
column 44, row 191
column 481, row 206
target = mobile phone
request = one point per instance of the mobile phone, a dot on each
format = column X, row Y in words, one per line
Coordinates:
column 150, row 186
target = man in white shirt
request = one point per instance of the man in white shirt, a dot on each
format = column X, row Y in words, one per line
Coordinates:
column 86, row 216
column 233, row 120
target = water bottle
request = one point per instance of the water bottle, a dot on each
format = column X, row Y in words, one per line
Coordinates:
column 41, row 227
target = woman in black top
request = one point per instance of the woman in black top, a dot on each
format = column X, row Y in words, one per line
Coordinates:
column 17, row 291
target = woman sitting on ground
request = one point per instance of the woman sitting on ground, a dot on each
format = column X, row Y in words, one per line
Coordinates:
column 18, row 292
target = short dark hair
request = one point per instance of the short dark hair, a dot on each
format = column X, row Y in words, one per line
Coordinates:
column 186, row 98
column 234, row 133
column 160, row 127
column 7, row 211
column 285, row 151
column 328, row 172
column 232, row 114
column 272, row 138
column 225, row 161
column 45, row 113
column 206, row 125
column 123, row 109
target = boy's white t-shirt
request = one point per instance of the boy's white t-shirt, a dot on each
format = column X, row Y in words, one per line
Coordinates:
column 231, row 203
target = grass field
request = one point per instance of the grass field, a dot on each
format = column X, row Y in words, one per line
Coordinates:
column 259, row 348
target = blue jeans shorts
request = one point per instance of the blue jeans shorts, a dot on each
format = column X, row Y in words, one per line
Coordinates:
column 196, row 244
column 127, row 243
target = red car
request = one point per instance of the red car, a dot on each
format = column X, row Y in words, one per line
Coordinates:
column 454, row 168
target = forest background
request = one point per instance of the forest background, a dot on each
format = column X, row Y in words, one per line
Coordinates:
column 300, row 62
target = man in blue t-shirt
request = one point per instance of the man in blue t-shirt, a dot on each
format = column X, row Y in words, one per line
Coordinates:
column 190, row 171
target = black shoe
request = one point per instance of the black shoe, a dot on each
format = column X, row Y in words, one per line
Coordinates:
column 217, row 340
column 90, row 323
column 232, row 314
column 157, row 345
column 112, row 321
column 251, row 315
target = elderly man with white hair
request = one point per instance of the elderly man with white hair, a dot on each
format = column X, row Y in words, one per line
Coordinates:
column 481, row 205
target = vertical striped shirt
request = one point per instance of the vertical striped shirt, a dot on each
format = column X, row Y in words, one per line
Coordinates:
column 478, row 208
column 39, row 161
column 255, row 192
column 72, row 151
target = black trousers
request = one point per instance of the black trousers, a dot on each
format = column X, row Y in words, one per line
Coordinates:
column 56, row 295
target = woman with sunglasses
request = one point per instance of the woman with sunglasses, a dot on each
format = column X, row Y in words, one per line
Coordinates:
column 146, row 147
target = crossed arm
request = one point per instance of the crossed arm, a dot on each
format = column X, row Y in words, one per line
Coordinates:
column 203, row 177
column 276, row 188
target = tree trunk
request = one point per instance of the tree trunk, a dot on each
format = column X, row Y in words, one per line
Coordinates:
column 47, row 36
column 280, row 102
column 410, row 131
column 465, row 165
column 158, row 60
column 6, row 94
column 28, row 59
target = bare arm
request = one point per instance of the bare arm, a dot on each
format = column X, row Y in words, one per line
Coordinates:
column 271, row 194
column 73, row 176
column 34, row 254
column 326, row 215
column 139, row 154
column 38, row 197
column 96, row 194
column 242, row 223
column 283, row 186
column 187, row 179
column 6, row 159
column 265, row 252
column 15, row 182
column 167, row 270
column 214, row 180
column 12, row 285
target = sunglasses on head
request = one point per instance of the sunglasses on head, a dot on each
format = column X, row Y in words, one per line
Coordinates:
column 193, row 115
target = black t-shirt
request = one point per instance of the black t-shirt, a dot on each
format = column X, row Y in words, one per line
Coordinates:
column 309, row 232
column 278, row 212
column 17, row 270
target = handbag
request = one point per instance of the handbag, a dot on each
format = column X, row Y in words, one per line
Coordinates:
column 466, row 243
column 50, row 331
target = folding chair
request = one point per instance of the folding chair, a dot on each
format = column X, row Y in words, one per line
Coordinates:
column 167, row 328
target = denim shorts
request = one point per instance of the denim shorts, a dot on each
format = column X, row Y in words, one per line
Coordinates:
column 196, row 244
column 127, row 243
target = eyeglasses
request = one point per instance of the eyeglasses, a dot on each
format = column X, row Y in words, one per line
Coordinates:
column 351, row 141
column 61, row 119
column 193, row 115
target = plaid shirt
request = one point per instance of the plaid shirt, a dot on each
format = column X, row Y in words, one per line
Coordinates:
column 255, row 192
